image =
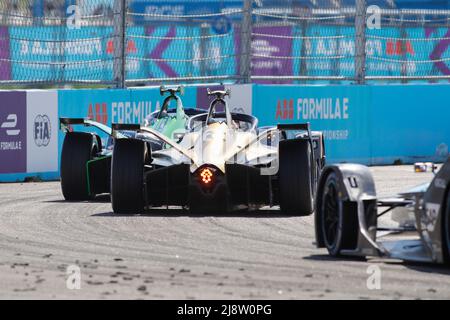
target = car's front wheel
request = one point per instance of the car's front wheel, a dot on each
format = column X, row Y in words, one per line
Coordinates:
column 339, row 220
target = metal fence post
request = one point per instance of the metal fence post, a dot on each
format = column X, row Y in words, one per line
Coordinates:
column 119, row 63
column 246, row 43
column 360, row 42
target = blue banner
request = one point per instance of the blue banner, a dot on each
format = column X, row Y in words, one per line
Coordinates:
column 341, row 112
column 374, row 125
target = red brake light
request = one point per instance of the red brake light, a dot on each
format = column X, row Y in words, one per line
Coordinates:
column 206, row 175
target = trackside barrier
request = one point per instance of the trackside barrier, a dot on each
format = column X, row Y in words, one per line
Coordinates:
column 375, row 125
column 372, row 125
column 28, row 135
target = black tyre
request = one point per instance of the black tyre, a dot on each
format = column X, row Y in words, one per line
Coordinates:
column 339, row 220
column 78, row 148
column 295, row 183
column 446, row 229
column 127, row 176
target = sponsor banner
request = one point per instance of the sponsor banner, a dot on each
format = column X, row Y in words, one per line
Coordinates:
column 86, row 53
column 13, row 132
column 409, row 123
column 156, row 8
column 330, row 51
column 75, row 46
column 42, row 131
column 164, row 51
column 267, row 44
column 439, row 50
column 334, row 49
column 279, row 46
column 341, row 112
column 5, row 66
column 374, row 125
column 165, row 56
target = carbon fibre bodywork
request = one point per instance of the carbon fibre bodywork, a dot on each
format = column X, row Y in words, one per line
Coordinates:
column 425, row 241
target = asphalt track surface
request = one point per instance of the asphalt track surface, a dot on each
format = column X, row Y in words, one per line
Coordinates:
column 171, row 255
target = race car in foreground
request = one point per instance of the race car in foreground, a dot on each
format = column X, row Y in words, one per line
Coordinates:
column 222, row 163
column 346, row 216
column 86, row 163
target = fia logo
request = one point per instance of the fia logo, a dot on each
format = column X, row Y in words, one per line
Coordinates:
column 42, row 130
column 10, row 125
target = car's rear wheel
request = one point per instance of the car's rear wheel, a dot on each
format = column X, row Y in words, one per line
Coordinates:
column 127, row 176
column 295, row 183
column 446, row 230
column 339, row 220
column 78, row 148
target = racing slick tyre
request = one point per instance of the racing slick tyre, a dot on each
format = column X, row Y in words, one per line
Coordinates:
column 295, row 183
column 446, row 229
column 78, row 148
column 339, row 219
column 127, row 176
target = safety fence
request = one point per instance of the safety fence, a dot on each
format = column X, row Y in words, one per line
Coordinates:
column 136, row 42
column 379, row 124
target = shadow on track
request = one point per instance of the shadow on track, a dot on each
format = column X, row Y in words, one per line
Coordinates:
column 103, row 198
column 177, row 213
column 416, row 266
column 428, row 268
column 328, row 258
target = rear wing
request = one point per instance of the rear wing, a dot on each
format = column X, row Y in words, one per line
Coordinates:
column 65, row 124
column 304, row 127
column 295, row 126
column 124, row 126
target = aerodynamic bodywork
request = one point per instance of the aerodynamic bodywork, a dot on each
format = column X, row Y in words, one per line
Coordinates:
column 222, row 163
column 86, row 163
column 348, row 210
